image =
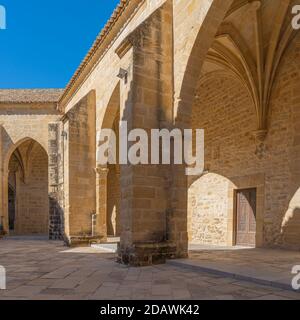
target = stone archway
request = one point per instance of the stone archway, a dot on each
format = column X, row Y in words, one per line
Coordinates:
column 26, row 189
column 113, row 191
column 234, row 72
column 215, row 14
column 185, row 93
column 108, row 176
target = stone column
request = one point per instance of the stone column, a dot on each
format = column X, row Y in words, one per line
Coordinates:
column 1, row 176
column 101, row 202
column 3, row 184
column 56, row 213
column 80, row 175
column 146, row 103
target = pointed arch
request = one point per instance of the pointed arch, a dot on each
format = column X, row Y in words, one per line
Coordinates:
column 15, row 146
column 205, row 37
column 111, row 109
column 31, row 191
column 108, row 177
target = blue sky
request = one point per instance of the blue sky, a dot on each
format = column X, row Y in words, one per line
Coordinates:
column 46, row 40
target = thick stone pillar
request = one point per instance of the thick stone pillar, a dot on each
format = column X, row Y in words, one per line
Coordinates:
column 55, row 159
column 79, row 166
column 3, row 184
column 101, row 202
column 2, row 222
column 146, row 103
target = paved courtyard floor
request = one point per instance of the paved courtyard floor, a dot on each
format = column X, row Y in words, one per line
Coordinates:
column 264, row 266
column 47, row 270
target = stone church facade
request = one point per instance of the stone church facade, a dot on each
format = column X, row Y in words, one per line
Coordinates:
column 230, row 67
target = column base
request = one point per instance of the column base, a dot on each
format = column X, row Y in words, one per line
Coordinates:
column 146, row 254
column 2, row 234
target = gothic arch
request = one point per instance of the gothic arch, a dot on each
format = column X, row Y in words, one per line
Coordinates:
column 111, row 109
column 26, row 167
column 202, row 43
column 108, row 176
column 15, row 146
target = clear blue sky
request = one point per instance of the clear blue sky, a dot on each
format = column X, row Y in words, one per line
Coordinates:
column 46, row 40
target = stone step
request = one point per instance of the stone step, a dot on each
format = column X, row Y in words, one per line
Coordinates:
column 253, row 275
column 109, row 247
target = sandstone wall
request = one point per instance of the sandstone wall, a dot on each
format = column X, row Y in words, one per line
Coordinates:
column 226, row 112
column 21, row 121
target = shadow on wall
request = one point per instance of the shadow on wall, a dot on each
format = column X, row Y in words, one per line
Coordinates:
column 56, row 219
column 7, row 142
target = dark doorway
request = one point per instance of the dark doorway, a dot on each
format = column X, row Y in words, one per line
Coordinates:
column 11, row 208
column 246, row 217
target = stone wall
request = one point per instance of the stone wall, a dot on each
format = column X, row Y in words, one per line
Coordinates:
column 282, row 219
column 225, row 110
column 208, row 210
column 21, row 121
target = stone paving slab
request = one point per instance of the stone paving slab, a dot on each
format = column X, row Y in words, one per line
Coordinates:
column 262, row 266
column 45, row 270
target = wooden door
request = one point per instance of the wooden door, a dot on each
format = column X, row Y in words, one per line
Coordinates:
column 246, row 217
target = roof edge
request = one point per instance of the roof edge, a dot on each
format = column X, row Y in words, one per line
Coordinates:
column 30, row 96
column 102, row 36
column 99, row 39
